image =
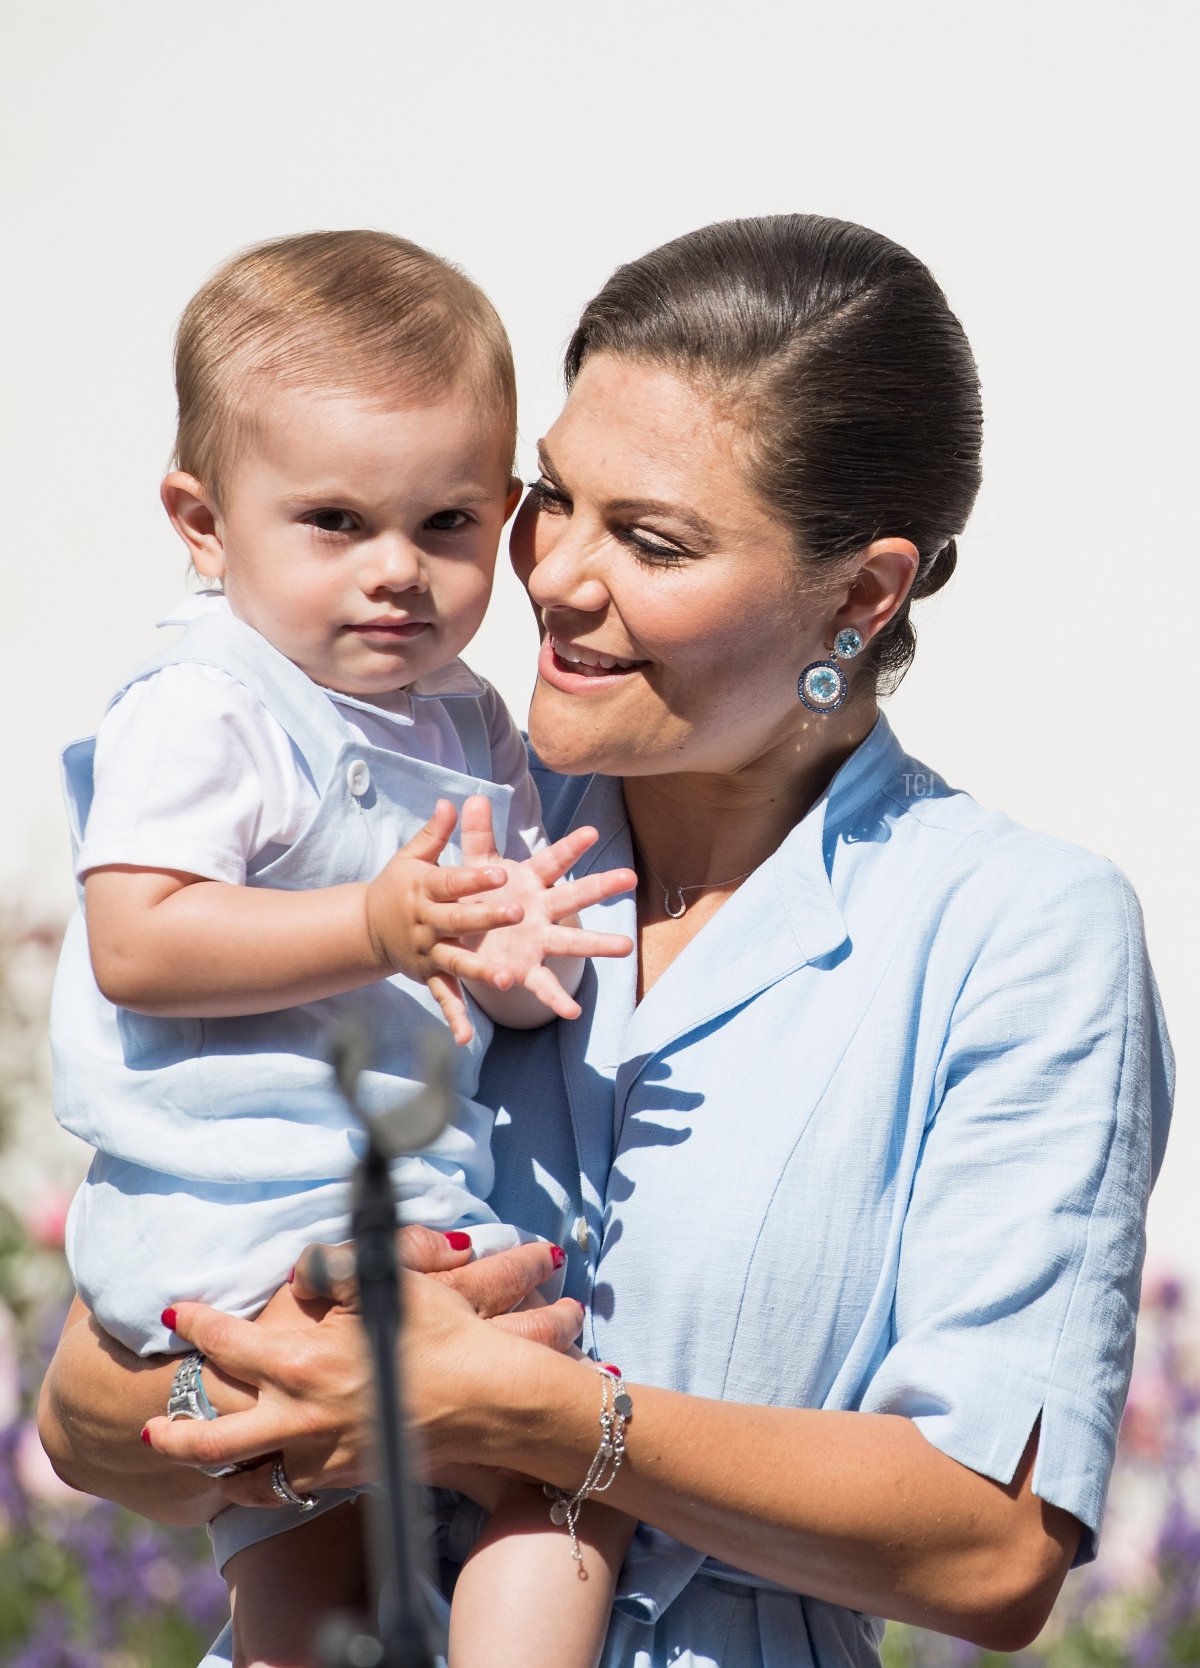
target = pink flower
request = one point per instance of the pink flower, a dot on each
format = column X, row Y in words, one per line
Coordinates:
column 46, row 1219
column 1146, row 1424
column 35, row 1474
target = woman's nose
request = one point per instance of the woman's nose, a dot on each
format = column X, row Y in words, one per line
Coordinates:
column 392, row 563
column 565, row 572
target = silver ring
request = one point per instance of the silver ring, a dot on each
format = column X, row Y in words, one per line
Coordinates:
column 284, row 1491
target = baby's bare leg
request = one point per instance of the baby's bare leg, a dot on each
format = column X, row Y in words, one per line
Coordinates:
column 281, row 1589
column 522, row 1601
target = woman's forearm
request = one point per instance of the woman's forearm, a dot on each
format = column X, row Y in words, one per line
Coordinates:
column 858, row 1509
column 94, row 1401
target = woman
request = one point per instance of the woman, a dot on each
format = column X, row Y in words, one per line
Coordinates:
column 852, row 1164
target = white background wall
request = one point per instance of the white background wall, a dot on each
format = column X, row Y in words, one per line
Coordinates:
column 1039, row 155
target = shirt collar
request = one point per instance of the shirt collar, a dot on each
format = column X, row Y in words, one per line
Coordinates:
column 803, row 863
column 802, row 867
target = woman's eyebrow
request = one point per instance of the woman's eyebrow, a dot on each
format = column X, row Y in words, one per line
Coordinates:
column 546, row 466
column 658, row 506
column 636, row 506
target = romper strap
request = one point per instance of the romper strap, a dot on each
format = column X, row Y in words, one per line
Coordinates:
column 308, row 716
column 467, row 717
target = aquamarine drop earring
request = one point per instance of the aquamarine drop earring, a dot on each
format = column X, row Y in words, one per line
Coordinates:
column 822, row 684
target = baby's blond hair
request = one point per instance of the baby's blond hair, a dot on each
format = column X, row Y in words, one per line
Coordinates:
column 361, row 312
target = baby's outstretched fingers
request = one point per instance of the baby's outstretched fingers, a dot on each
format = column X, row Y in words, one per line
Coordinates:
column 543, row 984
column 447, row 993
column 571, row 896
column 429, row 842
column 553, row 861
column 476, row 836
column 450, row 884
column 467, row 964
column 470, row 916
column 579, row 941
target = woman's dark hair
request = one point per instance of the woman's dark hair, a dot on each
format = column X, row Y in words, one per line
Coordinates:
column 858, row 390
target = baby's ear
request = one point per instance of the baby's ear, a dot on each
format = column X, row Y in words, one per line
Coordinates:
column 516, row 487
column 194, row 517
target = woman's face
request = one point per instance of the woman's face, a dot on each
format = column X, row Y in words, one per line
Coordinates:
column 676, row 623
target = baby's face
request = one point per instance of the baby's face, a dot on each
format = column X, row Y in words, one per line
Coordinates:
column 360, row 540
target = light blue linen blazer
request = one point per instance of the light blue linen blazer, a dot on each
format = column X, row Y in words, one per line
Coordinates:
column 882, row 1137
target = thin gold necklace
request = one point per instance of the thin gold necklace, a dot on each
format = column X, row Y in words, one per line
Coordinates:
column 678, row 891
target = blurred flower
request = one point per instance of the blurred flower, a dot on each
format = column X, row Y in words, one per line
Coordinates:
column 46, row 1219
column 37, row 1476
column 1162, row 1291
column 1146, row 1422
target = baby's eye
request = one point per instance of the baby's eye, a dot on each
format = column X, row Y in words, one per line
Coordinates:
column 331, row 521
column 447, row 521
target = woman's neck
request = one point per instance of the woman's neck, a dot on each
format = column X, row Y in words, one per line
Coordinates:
column 696, row 829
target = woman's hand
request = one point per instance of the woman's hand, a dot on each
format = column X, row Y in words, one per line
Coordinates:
column 311, row 1373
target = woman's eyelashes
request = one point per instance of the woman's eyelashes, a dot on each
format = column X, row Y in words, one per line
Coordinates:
column 553, row 501
column 649, row 551
column 548, row 497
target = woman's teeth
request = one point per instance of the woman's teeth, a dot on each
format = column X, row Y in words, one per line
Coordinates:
column 589, row 661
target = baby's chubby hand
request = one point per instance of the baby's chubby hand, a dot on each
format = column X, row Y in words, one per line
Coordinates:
column 492, row 921
column 547, row 927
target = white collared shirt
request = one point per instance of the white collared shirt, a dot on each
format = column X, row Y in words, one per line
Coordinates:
column 194, row 774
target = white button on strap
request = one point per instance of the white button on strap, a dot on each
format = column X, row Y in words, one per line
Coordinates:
column 358, row 778
column 580, row 1230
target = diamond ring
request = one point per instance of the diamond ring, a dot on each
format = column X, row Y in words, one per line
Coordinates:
column 284, row 1491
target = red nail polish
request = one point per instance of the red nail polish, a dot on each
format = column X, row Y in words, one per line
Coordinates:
column 291, row 1274
column 609, row 1368
column 582, row 1310
column 168, row 1319
column 457, row 1240
column 145, row 1436
column 557, row 1255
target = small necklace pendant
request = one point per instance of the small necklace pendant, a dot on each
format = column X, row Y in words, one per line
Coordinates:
column 675, row 913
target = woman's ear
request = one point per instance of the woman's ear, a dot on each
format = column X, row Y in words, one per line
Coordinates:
column 194, row 517
column 882, row 580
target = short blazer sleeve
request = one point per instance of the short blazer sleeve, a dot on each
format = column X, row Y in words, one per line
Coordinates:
column 1022, row 1247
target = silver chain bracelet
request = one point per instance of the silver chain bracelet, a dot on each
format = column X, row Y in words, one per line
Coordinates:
column 616, row 1408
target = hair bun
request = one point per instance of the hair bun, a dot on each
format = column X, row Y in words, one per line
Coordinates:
column 938, row 572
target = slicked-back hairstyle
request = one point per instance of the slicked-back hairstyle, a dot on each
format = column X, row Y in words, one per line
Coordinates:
column 854, row 383
column 358, row 312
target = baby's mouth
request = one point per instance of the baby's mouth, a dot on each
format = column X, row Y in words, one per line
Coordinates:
column 392, row 630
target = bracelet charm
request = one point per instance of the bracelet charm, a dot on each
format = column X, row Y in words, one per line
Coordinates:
column 616, row 1408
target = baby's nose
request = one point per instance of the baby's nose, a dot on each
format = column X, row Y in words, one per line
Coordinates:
column 392, row 563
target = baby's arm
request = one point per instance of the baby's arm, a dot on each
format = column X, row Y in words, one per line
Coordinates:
column 282, row 1589
column 522, row 1601
column 172, row 944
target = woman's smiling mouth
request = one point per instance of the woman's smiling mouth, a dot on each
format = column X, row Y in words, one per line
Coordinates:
column 567, row 666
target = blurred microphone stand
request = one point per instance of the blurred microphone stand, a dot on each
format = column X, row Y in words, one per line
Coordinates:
column 405, row 1635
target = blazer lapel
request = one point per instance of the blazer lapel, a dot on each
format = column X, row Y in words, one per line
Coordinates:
column 591, row 1046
